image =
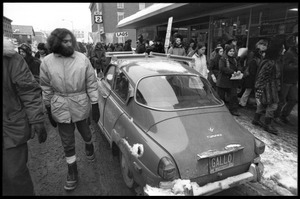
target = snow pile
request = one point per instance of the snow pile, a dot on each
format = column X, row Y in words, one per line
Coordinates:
column 279, row 160
column 177, row 187
column 137, row 150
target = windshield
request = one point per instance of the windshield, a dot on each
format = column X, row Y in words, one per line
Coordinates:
column 175, row 92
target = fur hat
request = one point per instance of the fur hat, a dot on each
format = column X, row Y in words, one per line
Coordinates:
column 26, row 48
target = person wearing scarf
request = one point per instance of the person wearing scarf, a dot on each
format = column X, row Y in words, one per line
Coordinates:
column 229, row 67
column 177, row 48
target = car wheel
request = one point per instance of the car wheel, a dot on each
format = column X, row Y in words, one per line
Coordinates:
column 126, row 173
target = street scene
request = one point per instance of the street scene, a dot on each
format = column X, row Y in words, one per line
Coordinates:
column 150, row 99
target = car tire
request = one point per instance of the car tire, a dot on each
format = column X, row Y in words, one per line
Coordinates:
column 126, row 173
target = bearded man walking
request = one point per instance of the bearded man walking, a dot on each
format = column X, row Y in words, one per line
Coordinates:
column 69, row 88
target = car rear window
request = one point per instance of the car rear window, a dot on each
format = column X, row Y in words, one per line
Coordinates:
column 176, row 92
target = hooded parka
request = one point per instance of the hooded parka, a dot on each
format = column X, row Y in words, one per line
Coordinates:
column 69, row 85
column 22, row 102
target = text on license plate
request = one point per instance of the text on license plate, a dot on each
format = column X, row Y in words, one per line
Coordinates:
column 220, row 162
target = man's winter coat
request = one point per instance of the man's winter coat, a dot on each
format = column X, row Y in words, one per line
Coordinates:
column 227, row 66
column 290, row 67
column 69, row 85
column 254, row 59
column 22, row 100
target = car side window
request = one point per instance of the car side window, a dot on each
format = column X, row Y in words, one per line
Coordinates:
column 122, row 86
column 109, row 76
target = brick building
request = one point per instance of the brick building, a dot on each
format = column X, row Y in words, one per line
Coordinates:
column 111, row 14
column 7, row 28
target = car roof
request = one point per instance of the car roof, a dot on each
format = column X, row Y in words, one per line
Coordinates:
column 140, row 66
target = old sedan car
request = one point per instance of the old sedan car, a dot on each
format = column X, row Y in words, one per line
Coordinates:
column 173, row 134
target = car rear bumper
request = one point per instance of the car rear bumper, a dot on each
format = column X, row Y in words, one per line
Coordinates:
column 192, row 188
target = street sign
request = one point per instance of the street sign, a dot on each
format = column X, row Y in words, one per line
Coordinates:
column 122, row 34
column 98, row 19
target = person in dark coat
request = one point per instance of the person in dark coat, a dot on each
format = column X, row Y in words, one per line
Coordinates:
column 266, row 89
column 23, row 117
column 289, row 86
column 229, row 67
column 32, row 62
column 213, row 67
column 127, row 46
column 254, row 59
column 158, row 45
column 98, row 58
column 140, row 48
column 42, row 51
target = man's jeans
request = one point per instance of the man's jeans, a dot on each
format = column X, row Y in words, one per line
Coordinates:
column 288, row 98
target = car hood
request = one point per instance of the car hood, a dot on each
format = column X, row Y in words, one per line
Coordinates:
column 186, row 136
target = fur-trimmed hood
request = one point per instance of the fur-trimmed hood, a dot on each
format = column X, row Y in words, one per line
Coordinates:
column 8, row 47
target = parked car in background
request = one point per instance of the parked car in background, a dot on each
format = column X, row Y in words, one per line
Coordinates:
column 172, row 133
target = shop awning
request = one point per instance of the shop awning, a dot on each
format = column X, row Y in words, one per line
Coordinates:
column 159, row 13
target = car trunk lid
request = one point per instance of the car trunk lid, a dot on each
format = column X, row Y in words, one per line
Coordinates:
column 194, row 139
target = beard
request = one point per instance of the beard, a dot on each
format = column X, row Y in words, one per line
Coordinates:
column 66, row 51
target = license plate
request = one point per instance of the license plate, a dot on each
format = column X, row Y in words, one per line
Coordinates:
column 220, row 162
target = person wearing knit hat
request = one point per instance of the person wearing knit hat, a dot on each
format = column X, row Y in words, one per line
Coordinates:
column 229, row 67
column 32, row 62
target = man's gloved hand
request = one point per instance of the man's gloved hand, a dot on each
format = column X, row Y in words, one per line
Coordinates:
column 95, row 112
column 39, row 129
column 52, row 121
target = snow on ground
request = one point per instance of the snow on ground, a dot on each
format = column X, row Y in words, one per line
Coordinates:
column 280, row 159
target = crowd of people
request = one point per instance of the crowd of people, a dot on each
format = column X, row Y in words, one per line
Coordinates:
column 59, row 80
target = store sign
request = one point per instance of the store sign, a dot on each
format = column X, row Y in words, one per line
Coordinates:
column 122, row 34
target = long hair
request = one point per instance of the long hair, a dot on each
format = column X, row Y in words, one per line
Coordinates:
column 55, row 39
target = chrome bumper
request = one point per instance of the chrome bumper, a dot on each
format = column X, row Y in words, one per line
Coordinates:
column 252, row 175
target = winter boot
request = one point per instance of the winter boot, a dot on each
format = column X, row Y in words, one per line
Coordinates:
column 89, row 151
column 268, row 127
column 72, row 177
column 256, row 120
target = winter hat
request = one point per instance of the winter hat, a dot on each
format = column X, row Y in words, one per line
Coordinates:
column 26, row 48
column 230, row 40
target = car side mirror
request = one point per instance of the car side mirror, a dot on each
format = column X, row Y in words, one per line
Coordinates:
column 130, row 94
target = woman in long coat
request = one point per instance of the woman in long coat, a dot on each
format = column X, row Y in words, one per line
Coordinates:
column 266, row 86
column 229, row 67
column 254, row 59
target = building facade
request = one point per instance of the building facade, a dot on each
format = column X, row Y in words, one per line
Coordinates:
column 214, row 23
column 112, row 13
column 7, row 28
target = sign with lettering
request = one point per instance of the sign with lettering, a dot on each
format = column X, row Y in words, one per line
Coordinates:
column 168, row 34
column 122, row 34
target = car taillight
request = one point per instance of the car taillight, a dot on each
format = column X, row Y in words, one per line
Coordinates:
column 167, row 169
column 259, row 146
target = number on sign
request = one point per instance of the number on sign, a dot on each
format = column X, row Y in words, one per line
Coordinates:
column 98, row 18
